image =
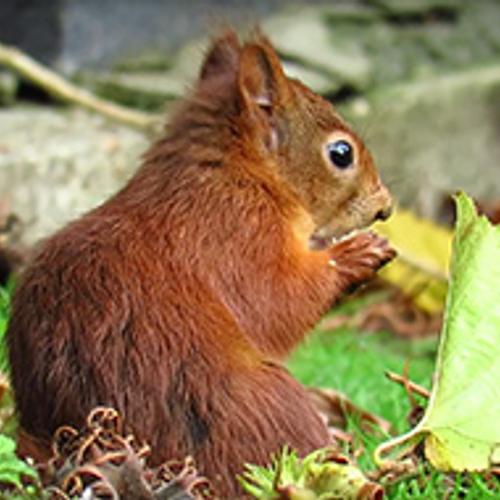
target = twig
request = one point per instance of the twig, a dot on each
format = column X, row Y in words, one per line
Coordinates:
column 408, row 384
column 65, row 91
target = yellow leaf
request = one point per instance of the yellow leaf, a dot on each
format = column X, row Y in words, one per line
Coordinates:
column 424, row 251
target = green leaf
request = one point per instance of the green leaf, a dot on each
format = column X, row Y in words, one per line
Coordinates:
column 7, row 446
column 12, row 469
column 461, row 425
column 4, row 318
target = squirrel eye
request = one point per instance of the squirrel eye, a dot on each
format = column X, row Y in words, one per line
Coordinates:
column 341, row 154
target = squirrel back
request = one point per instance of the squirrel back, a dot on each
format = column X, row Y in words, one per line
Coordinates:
column 176, row 299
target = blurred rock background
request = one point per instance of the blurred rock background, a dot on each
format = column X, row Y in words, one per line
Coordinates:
column 419, row 79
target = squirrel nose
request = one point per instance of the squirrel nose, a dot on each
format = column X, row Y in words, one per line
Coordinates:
column 384, row 213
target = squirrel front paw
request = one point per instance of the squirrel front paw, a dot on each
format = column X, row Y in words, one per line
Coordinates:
column 358, row 258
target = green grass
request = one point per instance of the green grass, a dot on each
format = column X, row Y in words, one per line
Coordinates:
column 13, row 471
column 4, row 317
column 355, row 364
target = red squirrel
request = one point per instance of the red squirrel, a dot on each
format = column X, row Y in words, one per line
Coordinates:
column 177, row 300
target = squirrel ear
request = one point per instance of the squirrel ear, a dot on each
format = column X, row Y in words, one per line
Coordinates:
column 261, row 79
column 222, row 58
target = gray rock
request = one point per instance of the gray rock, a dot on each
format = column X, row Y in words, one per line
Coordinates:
column 33, row 26
column 304, row 35
column 414, row 7
column 149, row 91
column 57, row 163
column 72, row 35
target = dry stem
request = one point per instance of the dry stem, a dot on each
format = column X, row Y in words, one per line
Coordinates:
column 63, row 90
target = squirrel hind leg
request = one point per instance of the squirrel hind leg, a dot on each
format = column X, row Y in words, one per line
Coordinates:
column 260, row 415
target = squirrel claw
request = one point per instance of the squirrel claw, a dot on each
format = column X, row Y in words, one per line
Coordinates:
column 359, row 257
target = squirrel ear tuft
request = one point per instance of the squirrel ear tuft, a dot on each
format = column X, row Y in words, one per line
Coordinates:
column 261, row 79
column 222, row 58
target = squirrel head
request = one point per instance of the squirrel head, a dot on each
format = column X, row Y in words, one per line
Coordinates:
column 295, row 134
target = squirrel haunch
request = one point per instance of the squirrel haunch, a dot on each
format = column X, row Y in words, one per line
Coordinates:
column 175, row 300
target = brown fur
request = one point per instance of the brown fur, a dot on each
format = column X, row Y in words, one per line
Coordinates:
column 175, row 300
